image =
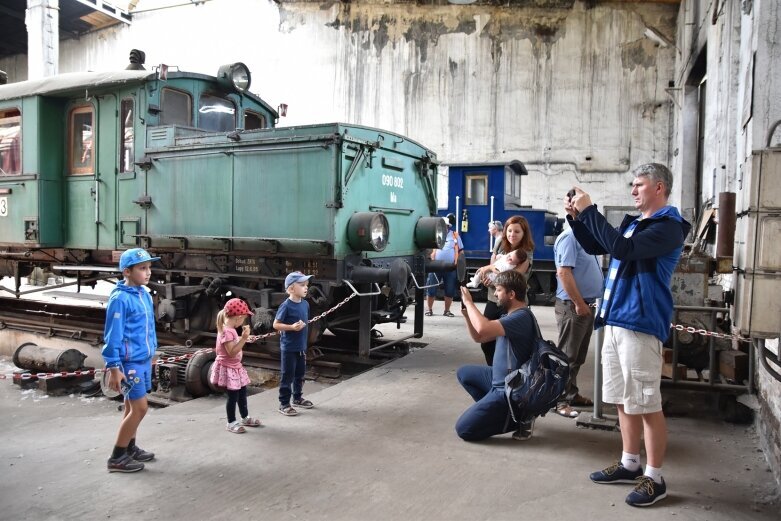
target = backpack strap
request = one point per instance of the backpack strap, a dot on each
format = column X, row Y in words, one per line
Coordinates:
column 539, row 336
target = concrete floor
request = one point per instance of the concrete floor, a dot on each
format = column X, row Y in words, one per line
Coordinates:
column 378, row 446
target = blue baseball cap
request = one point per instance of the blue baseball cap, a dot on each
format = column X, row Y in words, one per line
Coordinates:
column 296, row 276
column 135, row 256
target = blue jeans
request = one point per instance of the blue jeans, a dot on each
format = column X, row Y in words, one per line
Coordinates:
column 490, row 415
column 449, row 280
column 293, row 366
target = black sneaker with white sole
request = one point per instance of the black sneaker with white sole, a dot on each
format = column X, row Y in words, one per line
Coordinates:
column 124, row 463
column 525, row 430
column 646, row 492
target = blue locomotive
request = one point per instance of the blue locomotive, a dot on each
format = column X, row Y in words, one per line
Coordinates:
column 480, row 193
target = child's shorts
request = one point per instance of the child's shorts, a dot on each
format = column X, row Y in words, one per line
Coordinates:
column 139, row 375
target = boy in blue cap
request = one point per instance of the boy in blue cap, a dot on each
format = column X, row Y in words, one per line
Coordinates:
column 291, row 321
column 131, row 341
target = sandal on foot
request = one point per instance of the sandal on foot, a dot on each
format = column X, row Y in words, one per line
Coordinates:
column 448, row 314
column 287, row 410
column 429, row 313
column 249, row 421
column 303, row 403
column 564, row 409
column 582, row 401
column 235, row 428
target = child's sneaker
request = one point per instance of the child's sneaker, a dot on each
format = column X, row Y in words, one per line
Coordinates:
column 303, row 403
column 124, row 463
column 472, row 284
column 139, row 454
column 287, row 410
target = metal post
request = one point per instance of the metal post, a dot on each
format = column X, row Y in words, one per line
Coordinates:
column 599, row 339
column 420, row 297
column 364, row 324
column 491, row 237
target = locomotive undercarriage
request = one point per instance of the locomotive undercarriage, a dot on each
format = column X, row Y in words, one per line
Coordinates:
column 190, row 287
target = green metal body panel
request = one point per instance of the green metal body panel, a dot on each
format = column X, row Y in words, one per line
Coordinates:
column 36, row 194
column 301, row 183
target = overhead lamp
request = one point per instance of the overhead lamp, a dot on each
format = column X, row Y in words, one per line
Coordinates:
column 234, row 76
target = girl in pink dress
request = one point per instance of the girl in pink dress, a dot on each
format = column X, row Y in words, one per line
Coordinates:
column 227, row 370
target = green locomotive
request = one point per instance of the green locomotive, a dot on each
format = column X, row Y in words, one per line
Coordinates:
column 191, row 167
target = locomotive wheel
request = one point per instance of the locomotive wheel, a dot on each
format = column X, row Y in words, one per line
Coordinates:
column 196, row 374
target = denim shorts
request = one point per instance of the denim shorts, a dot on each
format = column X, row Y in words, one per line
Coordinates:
column 450, row 280
column 139, row 375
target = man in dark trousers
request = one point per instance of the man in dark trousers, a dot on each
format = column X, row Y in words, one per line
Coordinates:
column 636, row 310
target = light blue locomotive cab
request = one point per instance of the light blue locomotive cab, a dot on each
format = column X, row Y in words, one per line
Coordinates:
column 478, row 193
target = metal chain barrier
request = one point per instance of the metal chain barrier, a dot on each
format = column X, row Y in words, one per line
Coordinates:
column 168, row 359
column 705, row 332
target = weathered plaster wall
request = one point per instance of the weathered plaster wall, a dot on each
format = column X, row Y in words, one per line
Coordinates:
column 577, row 92
column 742, row 45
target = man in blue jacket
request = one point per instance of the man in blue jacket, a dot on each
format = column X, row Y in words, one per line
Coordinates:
column 131, row 341
column 636, row 310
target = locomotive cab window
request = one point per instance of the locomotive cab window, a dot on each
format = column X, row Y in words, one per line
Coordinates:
column 512, row 187
column 216, row 114
column 80, row 140
column 10, row 142
column 126, row 133
column 176, row 108
column 476, row 192
column 253, row 120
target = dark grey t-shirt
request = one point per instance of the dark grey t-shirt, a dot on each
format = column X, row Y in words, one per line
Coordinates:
column 519, row 332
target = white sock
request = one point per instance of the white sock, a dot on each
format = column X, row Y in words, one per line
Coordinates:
column 654, row 473
column 630, row 461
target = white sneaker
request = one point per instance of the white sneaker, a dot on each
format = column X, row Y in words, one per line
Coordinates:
column 473, row 284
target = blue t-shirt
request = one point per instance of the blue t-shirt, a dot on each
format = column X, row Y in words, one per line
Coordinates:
column 289, row 313
column 586, row 271
column 448, row 251
column 520, row 333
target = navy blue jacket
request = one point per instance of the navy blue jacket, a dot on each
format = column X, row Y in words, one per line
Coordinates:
column 641, row 299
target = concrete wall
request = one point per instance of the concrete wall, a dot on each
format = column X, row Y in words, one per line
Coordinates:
column 740, row 48
column 577, row 92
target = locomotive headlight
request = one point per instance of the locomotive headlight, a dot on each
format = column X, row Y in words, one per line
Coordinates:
column 234, row 76
column 368, row 231
column 430, row 232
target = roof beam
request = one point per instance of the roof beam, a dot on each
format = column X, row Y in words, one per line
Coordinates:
column 107, row 9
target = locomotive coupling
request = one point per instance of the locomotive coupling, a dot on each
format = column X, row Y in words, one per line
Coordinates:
column 396, row 276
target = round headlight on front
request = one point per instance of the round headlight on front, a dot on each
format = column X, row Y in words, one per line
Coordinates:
column 368, row 231
column 430, row 232
column 234, row 76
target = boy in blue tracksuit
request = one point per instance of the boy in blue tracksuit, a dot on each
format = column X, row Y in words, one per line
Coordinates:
column 131, row 342
column 636, row 310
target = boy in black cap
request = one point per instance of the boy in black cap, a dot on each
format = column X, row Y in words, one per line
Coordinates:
column 291, row 321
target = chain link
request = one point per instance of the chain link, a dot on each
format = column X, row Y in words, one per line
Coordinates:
column 165, row 360
column 705, row 332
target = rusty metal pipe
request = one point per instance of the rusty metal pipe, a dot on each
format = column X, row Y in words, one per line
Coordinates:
column 42, row 359
column 725, row 236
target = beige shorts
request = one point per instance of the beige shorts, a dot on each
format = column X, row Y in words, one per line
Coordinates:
column 632, row 370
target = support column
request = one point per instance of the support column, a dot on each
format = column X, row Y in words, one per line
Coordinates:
column 42, row 18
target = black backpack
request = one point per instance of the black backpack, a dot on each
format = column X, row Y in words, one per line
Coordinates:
column 538, row 385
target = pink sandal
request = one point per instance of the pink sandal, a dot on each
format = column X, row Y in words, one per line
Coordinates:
column 235, row 428
column 249, row 421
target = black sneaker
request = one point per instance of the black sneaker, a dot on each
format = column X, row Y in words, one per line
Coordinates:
column 646, row 492
column 139, row 454
column 124, row 463
column 616, row 473
column 525, row 430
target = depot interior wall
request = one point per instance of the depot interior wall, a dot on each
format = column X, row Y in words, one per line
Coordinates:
column 741, row 46
column 578, row 93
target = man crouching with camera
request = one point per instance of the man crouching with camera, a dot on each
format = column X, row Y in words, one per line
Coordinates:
column 514, row 333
